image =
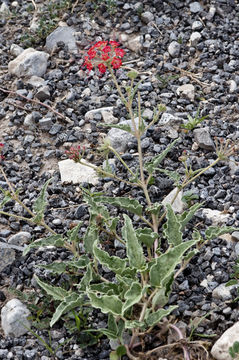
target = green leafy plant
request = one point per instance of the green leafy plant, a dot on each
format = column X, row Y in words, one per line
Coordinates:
column 136, row 300
column 194, row 121
column 234, row 350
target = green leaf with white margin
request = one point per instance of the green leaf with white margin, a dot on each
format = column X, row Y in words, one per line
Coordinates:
column 56, row 292
column 85, row 281
column 172, row 227
column 105, row 288
column 189, row 255
column 91, row 235
column 70, row 302
column 146, row 236
column 134, row 324
column 154, row 208
column 40, row 204
column 186, row 216
column 166, row 263
column 153, row 164
column 106, row 303
column 128, row 204
column 112, row 326
column 132, row 296
column 133, row 248
column 61, row 267
column 214, row 231
column 72, row 235
column 113, row 223
column 53, row 240
column 113, row 263
column 155, row 317
column 160, row 299
column 124, row 127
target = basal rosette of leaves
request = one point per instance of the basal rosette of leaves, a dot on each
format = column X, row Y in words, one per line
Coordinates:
column 136, row 300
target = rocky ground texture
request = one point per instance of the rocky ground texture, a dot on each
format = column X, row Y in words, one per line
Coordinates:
column 187, row 53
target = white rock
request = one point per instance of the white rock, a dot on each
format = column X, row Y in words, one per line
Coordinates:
column 197, row 25
column 29, row 62
column 108, row 117
column 14, row 318
column 76, row 173
column 178, row 205
column 66, row 34
column 4, row 9
column 36, row 81
column 34, row 25
column 16, row 50
column 174, row 48
column 186, row 90
column 216, row 216
column 90, row 114
column 135, row 43
column 223, row 292
column 169, row 119
column 195, row 38
column 232, row 86
column 220, row 348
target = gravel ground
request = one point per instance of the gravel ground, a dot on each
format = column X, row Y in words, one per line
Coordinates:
column 171, row 43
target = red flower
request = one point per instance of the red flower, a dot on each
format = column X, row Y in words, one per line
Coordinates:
column 106, row 49
column 91, row 53
column 104, row 54
column 1, row 145
column 102, row 68
column 119, row 52
column 116, row 63
column 114, row 43
column 105, row 57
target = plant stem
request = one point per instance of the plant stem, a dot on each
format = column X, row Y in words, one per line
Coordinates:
column 121, row 160
column 180, row 335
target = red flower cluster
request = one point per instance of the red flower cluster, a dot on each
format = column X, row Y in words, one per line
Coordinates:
column 1, row 148
column 75, row 153
column 104, row 54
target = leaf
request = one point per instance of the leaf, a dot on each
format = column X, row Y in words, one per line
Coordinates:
column 53, row 240
column 172, row 227
column 55, row 268
column 232, row 282
column 70, row 302
column 91, row 235
column 40, row 204
column 133, row 248
column 7, row 197
column 155, row 208
column 186, row 216
column 166, row 263
column 114, row 263
column 56, row 292
column 153, row 164
column 124, row 127
column 113, row 223
column 155, row 317
column 112, row 326
column 132, row 296
column 214, row 231
column 72, row 235
column 107, row 304
column 128, row 204
column 63, row 266
column 172, row 175
column 160, row 299
column 190, row 254
column 132, row 74
column 85, row 281
column 134, row 324
column 105, row 288
column 146, row 236
column 121, row 350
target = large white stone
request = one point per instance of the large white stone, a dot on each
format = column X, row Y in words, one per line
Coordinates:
column 216, row 216
column 220, row 348
column 14, row 318
column 186, row 90
column 177, row 205
column 76, row 173
column 66, row 34
column 30, row 62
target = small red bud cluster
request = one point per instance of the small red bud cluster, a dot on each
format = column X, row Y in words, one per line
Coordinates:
column 104, row 54
column 1, row 149
column 75, row 153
